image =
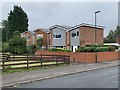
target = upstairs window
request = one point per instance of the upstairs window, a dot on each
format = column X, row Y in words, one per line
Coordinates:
column 56, row 35
column 27, row 38
column 39, row 36
column 75, row 33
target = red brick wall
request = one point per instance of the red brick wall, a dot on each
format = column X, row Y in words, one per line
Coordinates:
column 44, row 37
column 107, row 56
column 67, row 40
column 87, row 35
column 83, row 56
column 31, row 39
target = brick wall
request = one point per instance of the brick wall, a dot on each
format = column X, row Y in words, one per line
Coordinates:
column 87, row 35
column 88, row 57
column 31, row 38
column 67, row 40
column 44, row 37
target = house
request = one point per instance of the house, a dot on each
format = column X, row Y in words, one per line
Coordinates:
column 84, row 34
column 29, row 37
column 42, row 33
column 58, row 36
column 74, row 37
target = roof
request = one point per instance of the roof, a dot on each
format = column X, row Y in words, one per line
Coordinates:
column 63, row 27
column 27, row 31
column 88, row 25
column 42, row 29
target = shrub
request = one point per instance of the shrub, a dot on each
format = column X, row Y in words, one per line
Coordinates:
column 59, row 49
column 102, row 49
column 17, row 44
column 93, row 49
column 5, row 47
column 31, row 49
column 112, row 48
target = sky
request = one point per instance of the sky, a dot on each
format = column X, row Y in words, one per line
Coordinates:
column 47, row 14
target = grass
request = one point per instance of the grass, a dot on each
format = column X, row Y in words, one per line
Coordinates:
column 34, row 68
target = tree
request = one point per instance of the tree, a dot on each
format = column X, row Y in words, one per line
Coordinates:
column 17, row 20
column 40, row 42
column 17, row 44
column 111, row 38
column 5, row 30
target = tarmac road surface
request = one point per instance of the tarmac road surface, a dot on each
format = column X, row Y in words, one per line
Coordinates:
column 103, row 78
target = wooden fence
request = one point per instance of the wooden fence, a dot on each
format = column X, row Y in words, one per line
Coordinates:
column 19, row 62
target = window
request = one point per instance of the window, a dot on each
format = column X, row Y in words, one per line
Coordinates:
column 39, row 36
column 27, row 38
column 75, row 33
column 56, row 35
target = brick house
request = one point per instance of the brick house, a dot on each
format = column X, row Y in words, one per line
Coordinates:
column 29, row 37
column 74, row 37
column 84, row 34
column 42, row 33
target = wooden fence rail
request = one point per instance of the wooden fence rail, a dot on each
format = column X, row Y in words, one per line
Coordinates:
column 19, row 62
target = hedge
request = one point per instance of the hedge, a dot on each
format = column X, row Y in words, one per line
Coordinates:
column 59, row 49
column 96, row 49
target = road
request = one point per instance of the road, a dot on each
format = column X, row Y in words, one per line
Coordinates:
column 103, row 78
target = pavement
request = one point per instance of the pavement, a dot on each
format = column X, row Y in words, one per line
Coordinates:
column 42, row 74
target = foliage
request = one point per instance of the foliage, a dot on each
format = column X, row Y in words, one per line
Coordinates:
column 5, row 30
column 17, row 20
column 96, row 49
column 17, row 44
column 31, row 49
column 40, row 42
column 111, row 38
column 59, row 49
column 5, row 47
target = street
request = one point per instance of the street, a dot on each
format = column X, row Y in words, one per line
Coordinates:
column 103, row 78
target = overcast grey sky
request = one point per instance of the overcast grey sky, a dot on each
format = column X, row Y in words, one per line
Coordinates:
column 46, row 14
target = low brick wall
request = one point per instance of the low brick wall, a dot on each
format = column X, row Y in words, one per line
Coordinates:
column 88, row 57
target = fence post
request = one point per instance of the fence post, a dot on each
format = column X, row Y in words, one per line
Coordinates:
column 27, row 62
column 3, row 65
column 57, row 60
column 41, row 61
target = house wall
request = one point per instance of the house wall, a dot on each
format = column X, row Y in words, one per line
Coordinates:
column 31, row 39
column 68, row 41
column 75, row 41
column 59, row 41
column 87, row 35
column 44, row 37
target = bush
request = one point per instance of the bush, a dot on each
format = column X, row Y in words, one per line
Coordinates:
column 17, row 44
column 59, row 49
column 112, row 48
column 102, row 49
column 94, row 49
column 31, row 49
column 5, row 47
